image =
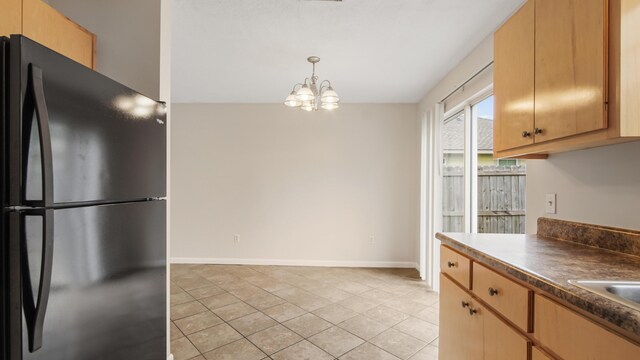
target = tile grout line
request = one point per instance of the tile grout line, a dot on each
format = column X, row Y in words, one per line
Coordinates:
column 285, row 301
column 228, row 323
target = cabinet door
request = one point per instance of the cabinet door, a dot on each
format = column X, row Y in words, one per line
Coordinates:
column 570, row 61
column 537, row 354
column 45, row 25
column 10, row 17
column 501, row 342
column 572, row 336
column 513, row 81
column 460, row 330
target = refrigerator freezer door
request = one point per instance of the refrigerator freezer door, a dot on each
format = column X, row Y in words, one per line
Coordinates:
column 107, row 142
column 107, row 293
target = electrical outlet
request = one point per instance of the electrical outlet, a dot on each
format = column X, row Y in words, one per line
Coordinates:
column 236, row 239
column 550, row 204
column 372, row 240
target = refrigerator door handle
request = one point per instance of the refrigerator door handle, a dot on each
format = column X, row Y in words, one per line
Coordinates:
column 37, row 101
column 35, row 310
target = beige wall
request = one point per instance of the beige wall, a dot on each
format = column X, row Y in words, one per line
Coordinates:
column 475, row 61
column 600, row 186
column 128, row 38
column 299, row 188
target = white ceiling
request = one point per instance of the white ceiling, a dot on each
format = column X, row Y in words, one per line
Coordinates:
column 253, row 51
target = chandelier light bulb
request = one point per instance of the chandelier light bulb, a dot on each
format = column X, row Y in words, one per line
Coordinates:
column 292, row 100
column 308, row 105
column 330, row 96
column 330, row 106
column 304, row 93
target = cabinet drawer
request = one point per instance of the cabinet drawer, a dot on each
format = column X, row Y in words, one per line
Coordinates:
column 572, row 336
column 510, row 299
column 455, row 265
column 537, row 354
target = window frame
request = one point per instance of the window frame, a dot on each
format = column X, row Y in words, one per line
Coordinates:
column 470, row 155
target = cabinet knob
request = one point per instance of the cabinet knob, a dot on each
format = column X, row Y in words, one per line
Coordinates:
column 472, row 311
column 526, row 134
column 493, row 292
column 451, row 264
column 538, row 131
column 465, row 304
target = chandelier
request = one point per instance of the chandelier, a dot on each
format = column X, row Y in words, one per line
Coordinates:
column 309, row 94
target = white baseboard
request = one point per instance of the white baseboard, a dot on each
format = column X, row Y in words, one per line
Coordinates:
column 170, row 357
column 282, row 262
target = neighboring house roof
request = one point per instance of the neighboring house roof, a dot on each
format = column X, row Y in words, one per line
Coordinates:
column 453, row 135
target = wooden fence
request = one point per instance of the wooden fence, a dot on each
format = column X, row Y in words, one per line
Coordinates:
column 501, row 199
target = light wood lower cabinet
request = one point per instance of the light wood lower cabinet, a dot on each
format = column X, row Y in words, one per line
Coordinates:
column 456, row 265
column 509, row 323
column 574, row 337
column 510, row 299
column 461, row 338
column 537, row 354
column 469, row 331
column 501, row 342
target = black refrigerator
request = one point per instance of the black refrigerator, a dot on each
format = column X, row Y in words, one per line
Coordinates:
column 83, row 252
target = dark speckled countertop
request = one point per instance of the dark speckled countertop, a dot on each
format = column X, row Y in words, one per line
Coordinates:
column 548, row 263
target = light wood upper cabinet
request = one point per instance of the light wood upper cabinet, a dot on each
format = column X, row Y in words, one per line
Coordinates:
column 513, row 81
column 42, row 23
column 624, row 70
column 10, row 18
column 585, row 56
column 570, row 77
column 45, row 25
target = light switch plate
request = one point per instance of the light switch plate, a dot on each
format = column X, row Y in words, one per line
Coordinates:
column 550, row 204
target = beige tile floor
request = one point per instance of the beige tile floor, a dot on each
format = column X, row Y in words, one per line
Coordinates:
column 233, row 312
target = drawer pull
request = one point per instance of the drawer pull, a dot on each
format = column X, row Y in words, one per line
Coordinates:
column 472, row 311
column 538, row 131
column 493, row 292
column 465, row 304
column 526, row 134
column 452, row 264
